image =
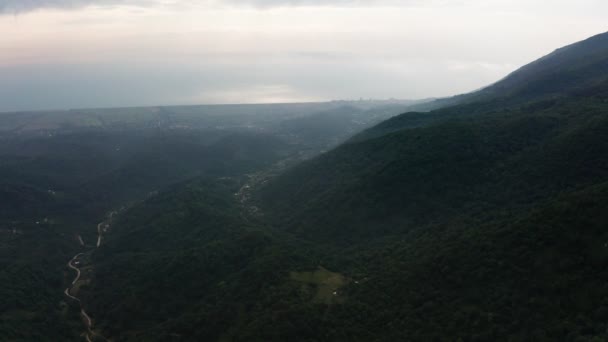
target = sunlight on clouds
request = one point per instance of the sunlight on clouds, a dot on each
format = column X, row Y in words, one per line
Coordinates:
column 362, row 48
column 261, row 93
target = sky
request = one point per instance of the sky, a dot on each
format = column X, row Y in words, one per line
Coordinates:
column 62, row 54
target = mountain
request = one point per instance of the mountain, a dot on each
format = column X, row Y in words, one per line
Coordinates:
column 190, row 268
column 62, row 172
column 479, row 221
column 579, row 68
column 483, row 220
column 55, row 189
column 570, row 70
column 456, row 149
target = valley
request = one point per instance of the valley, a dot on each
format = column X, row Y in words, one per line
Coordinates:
column 62, row 176
column 481, row 218
column 77, row 263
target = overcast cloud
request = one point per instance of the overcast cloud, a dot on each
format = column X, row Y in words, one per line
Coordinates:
column 20, row 6
column 93, row 53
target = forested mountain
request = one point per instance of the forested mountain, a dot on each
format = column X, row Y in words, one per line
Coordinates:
column 61, row 173
column 479, row 221
column 570, row 70
column 576, row 69
column 54, row 191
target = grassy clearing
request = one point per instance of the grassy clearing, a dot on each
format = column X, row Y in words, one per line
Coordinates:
column 326, row 283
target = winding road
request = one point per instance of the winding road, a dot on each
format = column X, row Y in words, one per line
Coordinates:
column 86, row 318
column 70, row 265
column 99, row 234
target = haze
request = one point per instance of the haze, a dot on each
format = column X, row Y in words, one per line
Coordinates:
column 74, row 54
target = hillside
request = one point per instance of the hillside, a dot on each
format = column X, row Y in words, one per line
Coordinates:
column 406, row 178
column 479, row 221
column 181, row 259
column 576, row 69
column 55, row 189
column 62, row 172
column 567, row 71
column 478, row 217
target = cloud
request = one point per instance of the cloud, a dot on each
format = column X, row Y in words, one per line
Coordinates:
column 299, row 3
column 110, row 53
column 20, row 6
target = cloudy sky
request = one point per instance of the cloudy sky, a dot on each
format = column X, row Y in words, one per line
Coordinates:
column 57, row 54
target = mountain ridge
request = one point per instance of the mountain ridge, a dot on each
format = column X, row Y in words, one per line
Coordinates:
column 574, row 54
column 476, row 222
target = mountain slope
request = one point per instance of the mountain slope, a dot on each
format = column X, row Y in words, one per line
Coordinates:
column 54, row 189
column 539, row 276
column 409, row 177
column 566, row 71
column 473, row 221
column 480, row 221
column 191, row 267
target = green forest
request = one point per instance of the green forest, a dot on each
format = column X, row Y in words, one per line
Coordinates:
column 481, row 218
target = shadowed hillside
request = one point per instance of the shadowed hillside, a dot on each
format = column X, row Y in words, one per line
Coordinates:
column 480, row 221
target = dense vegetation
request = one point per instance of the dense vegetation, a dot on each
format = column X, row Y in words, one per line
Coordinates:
column 56, row 188
column 62, row 172
column 480, row 221
column 180, row 261
column 473, row 165
column 31, row 273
